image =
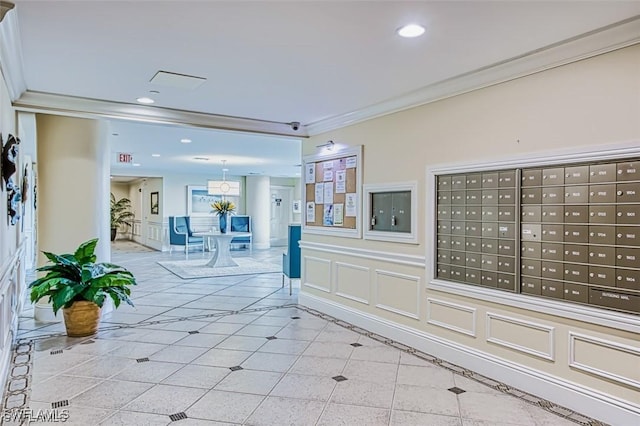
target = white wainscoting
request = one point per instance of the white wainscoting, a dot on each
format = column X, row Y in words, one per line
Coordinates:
column 352, row 282
column 398, row 293
column 318, row 268
column 452, row 316
column 580, row 398
column 12, row 294
column 604, row 358
column 521, row 335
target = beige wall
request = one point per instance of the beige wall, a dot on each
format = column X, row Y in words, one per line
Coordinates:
column 73, row 185
column 590, row 103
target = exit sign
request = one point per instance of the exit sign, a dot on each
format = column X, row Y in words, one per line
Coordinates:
column 125, row 157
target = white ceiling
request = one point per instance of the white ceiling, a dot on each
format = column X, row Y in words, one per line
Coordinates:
column 305, row 61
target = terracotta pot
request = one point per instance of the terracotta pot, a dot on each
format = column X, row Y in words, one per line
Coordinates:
column 81, row 319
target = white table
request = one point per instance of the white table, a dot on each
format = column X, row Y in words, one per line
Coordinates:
column 222, row 243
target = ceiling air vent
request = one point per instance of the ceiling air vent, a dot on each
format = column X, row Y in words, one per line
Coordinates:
column 178, row 81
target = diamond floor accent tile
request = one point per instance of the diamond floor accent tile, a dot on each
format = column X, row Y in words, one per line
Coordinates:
column 58, row 404
column 304, row 380
column 178, row 416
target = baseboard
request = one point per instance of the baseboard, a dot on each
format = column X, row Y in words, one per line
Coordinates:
column 583, row 400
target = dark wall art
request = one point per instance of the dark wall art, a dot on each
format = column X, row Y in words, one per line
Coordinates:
column 9, row 167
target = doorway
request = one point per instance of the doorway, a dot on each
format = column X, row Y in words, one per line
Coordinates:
column 281, row 210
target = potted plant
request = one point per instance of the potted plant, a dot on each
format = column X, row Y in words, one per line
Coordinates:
column 120, row 214
column 78, row 285
column 222, row 209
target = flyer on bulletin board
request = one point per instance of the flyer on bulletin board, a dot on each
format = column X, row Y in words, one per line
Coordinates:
column 341, row 182
column 338, row 214
column 328, row 215
column 311, row 212
column 328, row 192
column 350, row 201
column 310, row 173
column 319, row 193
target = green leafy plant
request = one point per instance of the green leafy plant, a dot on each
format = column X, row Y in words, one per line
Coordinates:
column 120, row 212
column 75, row 277
column 223, row 207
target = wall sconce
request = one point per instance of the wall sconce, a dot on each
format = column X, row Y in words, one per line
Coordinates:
column 222, row 187
column 328, row 145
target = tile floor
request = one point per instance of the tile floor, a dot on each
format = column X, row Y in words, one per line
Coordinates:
column 174, row 360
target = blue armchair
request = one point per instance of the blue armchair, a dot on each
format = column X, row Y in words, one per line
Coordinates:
column 180, row 234
column 291, row 260
column 241, row 223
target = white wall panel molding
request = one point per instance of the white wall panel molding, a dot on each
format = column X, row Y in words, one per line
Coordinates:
column 352, row 282
column 607, row 39
column 568, row 394
column 454, row 309
column 321, row 272
column 632, row 351
column 589, row 314
column 91, row 108
column 391, row 257
column 383, row 296
column 520, row 327
column 13, row 289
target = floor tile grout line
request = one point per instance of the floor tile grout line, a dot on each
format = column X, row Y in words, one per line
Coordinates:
column 541, row 403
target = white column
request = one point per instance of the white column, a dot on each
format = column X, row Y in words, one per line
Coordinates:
column 259, row 207
column 73, row 190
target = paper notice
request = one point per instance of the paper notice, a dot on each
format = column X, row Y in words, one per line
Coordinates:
column 352, row 162
column 328, row 215
column 319, row 193
column 328, row 175
column 311, row 212
column 338, row 214
column 341, row 183
column 328, row 192
column 310, row 173
column 350, row 205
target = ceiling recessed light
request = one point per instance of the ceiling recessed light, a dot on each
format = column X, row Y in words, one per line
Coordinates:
column 185, row 140
column 411, row 30
column 136, row 164
column 145, row 100
column 155, row 155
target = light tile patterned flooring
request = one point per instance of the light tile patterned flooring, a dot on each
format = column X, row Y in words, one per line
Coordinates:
column 185, row 356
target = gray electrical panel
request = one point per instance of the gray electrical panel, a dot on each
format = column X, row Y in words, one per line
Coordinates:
column 569, row 232
column 391, row 211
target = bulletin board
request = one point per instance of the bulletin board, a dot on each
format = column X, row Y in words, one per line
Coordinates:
column 332, row 193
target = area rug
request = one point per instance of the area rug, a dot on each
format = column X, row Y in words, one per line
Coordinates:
column 197, row 268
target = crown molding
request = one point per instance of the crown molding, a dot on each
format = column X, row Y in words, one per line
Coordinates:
column 40, row 102
column 11, row 51
column 613, row 37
